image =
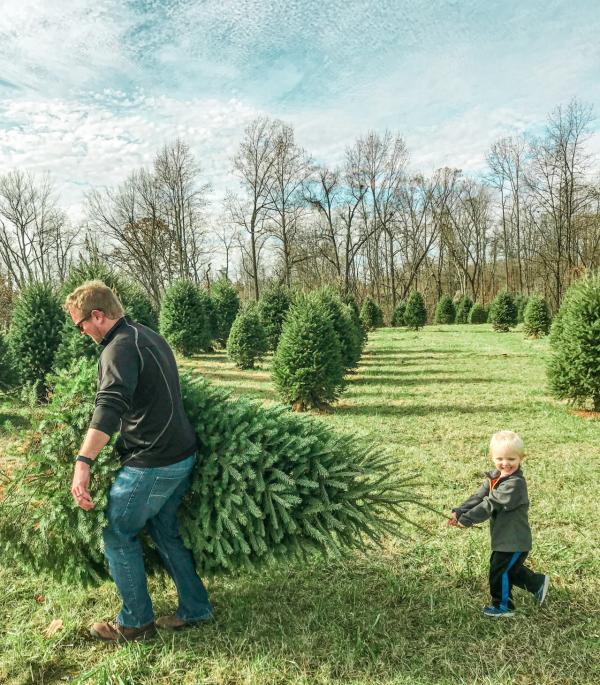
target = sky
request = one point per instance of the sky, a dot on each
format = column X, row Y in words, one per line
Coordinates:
column 91, row 89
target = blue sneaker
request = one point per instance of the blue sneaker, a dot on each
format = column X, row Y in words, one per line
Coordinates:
column 496, row 612
column 540, row 595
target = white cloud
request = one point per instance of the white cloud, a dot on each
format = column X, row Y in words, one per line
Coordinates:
column 94, row 145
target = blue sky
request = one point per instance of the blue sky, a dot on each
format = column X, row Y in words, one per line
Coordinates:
column 90, row 89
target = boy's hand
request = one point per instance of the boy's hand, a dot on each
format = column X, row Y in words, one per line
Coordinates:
column 453, row 520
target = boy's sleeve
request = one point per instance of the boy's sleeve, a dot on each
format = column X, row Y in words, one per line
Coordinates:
column 120, row 373
column 508, row 495
column 472, row 501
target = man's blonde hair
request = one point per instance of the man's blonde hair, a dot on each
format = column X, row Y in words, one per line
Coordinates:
column 94, row 295
column 509, row 439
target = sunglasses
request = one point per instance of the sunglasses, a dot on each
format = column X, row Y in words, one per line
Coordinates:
column 79, row 324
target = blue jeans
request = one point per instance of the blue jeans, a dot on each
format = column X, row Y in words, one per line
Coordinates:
column 150, row 497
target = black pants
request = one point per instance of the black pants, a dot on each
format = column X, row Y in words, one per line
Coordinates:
column 508, row 569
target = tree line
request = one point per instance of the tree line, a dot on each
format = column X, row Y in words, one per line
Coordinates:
column 373, row 226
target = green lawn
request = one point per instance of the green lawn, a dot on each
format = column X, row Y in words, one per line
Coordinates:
column 408, row 614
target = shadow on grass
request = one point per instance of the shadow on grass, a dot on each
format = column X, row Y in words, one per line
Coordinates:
column 235, row 387
column 237, row 375
column 367, row 620
column 416, row 409
column 16, row 419
column 400, row 380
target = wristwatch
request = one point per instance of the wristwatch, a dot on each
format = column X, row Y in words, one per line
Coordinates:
column 85, row 460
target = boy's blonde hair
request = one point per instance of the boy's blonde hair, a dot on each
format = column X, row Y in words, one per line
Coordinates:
column 510, row 439
column 94, row 295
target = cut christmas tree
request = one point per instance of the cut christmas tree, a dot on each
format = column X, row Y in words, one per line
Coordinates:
column 268, row 484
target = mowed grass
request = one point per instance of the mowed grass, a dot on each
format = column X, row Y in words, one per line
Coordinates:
column 408, row 614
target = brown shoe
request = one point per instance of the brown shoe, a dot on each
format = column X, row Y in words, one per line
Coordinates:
column 113, row 632
column 173, row 622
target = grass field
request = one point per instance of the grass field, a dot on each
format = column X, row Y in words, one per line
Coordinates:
column 409, row 614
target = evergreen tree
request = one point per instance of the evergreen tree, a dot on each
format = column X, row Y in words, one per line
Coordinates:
column 478, row 314
column 349, row 335
column 445, row 311
column 371, row 315
column 210, row 314
column 537, row 317
column 8, row 376
column 503, row 312
column 307, row 366
column 247, row 341
column 184, row 319
column 268, row 485
column 226, row 305
column 398, row 315
column 357, row 321
column 415, row 314
column 273, row 307
column 137, row 305
column 521, row 303
column 463, row 308
column 574, row 367
column 34, row 335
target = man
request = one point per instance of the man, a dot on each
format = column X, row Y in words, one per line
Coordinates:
column 138, row 394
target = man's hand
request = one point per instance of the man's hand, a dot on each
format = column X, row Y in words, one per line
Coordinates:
column 79, row 487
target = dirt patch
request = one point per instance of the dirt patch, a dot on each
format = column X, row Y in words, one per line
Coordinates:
column 586, row 414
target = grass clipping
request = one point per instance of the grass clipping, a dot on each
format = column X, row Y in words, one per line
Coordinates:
column 268, row 485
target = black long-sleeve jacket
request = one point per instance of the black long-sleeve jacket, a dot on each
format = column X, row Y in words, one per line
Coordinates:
column 506, row 505
column 138, row 394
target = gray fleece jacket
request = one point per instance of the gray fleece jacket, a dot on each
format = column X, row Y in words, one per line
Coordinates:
column 138, row 394
column 506, row 505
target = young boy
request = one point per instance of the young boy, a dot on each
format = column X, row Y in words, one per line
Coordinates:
column 503, row 499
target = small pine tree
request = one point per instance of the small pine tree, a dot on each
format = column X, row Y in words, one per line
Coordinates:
column 273, row 307
column 537, row 317
column 349, row 335
column 226, row 305
column 371, row 315
column 463, row 308
column 503, row 312
column 521, row 303
column 184, row 319
column 307, row 366
column 574, row 367
column 445, row 311
column 135, row 302
column 478, row 314
column 398, row 315
column 8, row 376
column 34, row 336
column 210, row 314
column 358, row 324
column 247, row 343
column 415, row 315
column 6, row 301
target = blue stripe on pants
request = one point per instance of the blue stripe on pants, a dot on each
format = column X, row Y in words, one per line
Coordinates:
column 511, row 563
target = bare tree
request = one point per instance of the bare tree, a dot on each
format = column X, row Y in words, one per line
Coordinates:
column 138, row 239
column 254, row 166
column 557, row 180
column 291, row 172
column 183, row 201
column 506, row 162
column 153, row 223
column 337, row 198
column 36, row 241
column 467, row 232
column 384, row 158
